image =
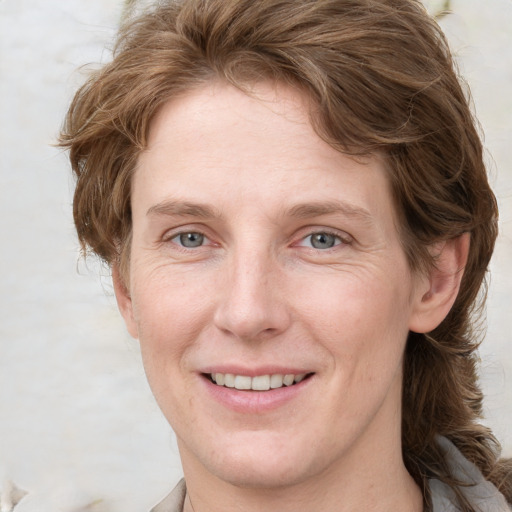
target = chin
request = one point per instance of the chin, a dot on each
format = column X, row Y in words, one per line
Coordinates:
column 265, row 463
column 256, row 476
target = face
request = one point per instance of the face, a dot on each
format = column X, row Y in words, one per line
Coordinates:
column 268, row 288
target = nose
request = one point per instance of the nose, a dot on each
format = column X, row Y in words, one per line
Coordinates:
column 253, row 305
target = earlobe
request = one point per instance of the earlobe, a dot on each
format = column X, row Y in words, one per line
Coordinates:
column 436, row 293
column 124, row 301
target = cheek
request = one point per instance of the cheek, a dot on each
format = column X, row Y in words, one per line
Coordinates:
column 170, row 314
column 350, row 304
column 168, row 304
column 363, row 323
column 169, row 322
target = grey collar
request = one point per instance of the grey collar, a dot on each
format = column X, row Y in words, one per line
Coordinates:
column 482, row 494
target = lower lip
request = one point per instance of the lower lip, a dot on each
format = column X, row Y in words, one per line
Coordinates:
column 255, row 402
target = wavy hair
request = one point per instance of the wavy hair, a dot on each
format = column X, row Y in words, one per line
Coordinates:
column 381, row 79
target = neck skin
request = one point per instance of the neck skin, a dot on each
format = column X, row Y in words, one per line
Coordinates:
column 371, row 476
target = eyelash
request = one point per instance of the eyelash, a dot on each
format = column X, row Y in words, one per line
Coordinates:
column 338, row 238
column 176, row 239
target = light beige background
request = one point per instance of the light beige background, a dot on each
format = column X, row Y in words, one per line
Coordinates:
column 78, row 425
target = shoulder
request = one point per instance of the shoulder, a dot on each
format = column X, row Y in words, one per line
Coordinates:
column 481, row 493
column 174, row 501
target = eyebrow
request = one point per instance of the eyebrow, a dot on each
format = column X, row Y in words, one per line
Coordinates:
column 184, row 209
column 317, row 209
column 298, row 211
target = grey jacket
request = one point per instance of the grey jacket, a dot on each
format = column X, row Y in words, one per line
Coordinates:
column 480, row 493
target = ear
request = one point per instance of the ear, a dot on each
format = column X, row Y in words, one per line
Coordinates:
column 436, row 292
column 124, row 301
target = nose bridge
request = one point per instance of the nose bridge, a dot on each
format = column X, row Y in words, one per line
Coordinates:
column 252, row 305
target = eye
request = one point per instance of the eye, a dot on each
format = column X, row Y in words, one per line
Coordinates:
column 321, row 240
column 189, row 240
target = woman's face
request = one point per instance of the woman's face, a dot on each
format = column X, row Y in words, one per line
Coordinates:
column 262, row 256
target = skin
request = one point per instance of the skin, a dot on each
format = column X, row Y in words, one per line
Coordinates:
column 257, row 293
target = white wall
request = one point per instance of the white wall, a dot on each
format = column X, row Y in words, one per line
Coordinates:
column 77, row 421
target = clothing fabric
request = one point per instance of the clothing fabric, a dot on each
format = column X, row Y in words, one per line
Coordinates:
column 174, row 501
column 482, row 494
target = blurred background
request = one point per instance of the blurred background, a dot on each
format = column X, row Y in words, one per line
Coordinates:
column 79, row 428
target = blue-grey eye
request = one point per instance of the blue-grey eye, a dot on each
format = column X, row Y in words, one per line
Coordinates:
column 191, row 240
column 323, row 240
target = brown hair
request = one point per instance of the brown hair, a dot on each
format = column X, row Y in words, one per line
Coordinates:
column 381, row 79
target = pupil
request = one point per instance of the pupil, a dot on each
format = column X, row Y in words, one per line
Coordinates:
column 322, row 241
column 191, row 239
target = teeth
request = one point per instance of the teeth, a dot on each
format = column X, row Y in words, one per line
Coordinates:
column 242, row 382
column 229, row 380
column 276, row 381
column 261, row 383
column 288, row 380
column 258, row 383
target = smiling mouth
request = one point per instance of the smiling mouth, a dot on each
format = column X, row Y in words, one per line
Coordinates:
column 258, row 383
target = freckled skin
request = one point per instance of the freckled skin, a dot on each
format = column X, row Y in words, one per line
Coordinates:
column 258, row 291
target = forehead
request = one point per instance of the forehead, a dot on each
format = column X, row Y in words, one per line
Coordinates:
column 217, row 144
column 215, row 117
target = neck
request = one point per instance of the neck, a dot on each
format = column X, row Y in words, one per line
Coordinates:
column 402, row 496
column 363, row 482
